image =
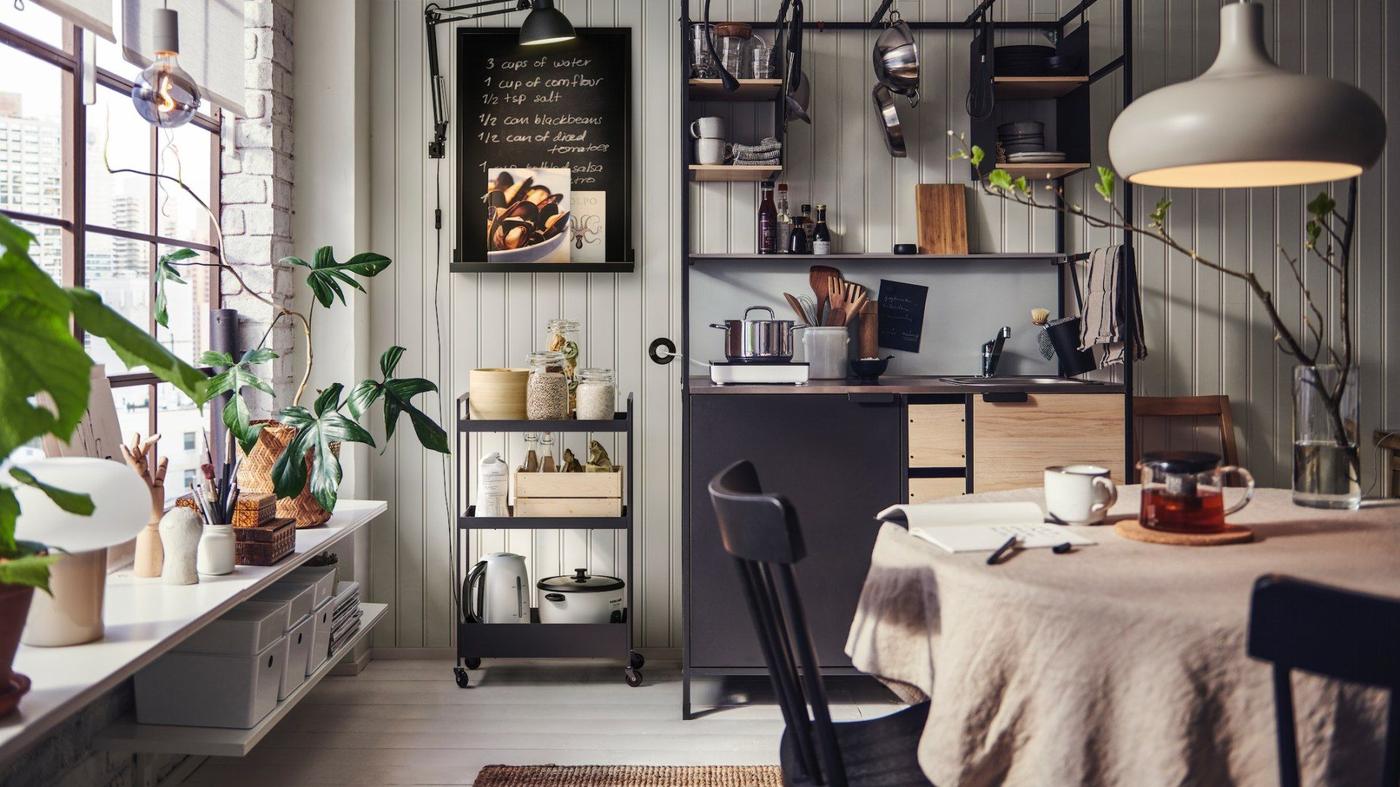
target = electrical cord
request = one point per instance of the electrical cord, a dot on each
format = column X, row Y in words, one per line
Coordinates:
column 453, row 532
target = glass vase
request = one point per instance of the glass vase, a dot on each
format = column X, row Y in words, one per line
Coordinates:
column 1326, row 462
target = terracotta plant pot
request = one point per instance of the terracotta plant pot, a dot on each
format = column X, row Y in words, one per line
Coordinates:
column 14, row 610
column 255, row 475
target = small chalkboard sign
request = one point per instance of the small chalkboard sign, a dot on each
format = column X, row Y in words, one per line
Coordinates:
column 901, row 315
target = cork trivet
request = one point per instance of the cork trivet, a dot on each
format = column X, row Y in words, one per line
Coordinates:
column 1134, row 531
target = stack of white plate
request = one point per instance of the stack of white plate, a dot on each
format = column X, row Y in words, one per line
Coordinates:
column 1036, row 157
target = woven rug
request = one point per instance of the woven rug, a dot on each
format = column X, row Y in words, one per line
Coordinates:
column 630, row 776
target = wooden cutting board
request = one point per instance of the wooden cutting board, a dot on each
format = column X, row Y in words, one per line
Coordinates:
column 942, row 215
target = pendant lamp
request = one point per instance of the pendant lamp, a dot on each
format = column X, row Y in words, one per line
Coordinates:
column 545, row 24
column 1246, row 122
column 164, row 93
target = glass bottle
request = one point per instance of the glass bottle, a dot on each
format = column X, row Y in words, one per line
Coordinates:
column 597, row 395
column 767, row 222
column 532, row 456
column 821, row 236
column 561, row 336
column 784, row 219
column 546, row 390
column 548, row 464
column 802, row 232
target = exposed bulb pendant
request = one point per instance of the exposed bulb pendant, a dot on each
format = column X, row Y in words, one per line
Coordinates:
column 165, row 94
column 1246, row 122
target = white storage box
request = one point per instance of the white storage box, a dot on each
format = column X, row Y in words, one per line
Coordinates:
column 320, row 635
column 322, row 578
column 210, row 689
column 298, row 599
column 242, row 631
column 298, row 653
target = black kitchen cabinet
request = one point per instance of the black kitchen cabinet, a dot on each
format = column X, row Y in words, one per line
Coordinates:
column 838, row 460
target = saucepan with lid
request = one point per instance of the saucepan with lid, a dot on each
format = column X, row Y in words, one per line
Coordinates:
column 757, row 341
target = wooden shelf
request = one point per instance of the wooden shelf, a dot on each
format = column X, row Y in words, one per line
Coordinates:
column 709, row 173
column 1044, row 170
column 542, row 267
column 128, row 736
column 749, row 90
column 1031, row 88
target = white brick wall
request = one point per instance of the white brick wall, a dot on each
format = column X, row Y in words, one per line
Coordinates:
column 256, row 191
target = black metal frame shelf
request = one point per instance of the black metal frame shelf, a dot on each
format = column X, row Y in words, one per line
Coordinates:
column 542, row 267
column 537, row 640
column 872, row 257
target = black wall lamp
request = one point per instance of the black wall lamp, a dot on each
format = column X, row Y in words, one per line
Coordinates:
column 545, row 24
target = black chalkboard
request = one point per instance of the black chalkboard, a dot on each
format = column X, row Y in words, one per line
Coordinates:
column 901, row 315
column 565, row 105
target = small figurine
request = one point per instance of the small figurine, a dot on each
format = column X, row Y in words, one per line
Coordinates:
column 150, row 554
column 571, row 462
column 598, row 461
column 180, row 531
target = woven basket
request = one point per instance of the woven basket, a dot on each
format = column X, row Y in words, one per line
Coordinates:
column 255, row 475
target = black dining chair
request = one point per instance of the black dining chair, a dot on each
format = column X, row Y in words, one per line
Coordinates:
column 1342, row 634
column 760, row 531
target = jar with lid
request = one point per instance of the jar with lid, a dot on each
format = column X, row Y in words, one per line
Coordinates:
column 546, row 391
column 597, row 395
column 561, row 336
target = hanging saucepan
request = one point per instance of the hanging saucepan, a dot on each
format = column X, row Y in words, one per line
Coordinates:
column 896, row 57
column 757, row 341
column 798, row 100
column 888, row 118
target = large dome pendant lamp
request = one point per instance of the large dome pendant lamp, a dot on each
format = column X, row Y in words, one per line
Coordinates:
column 1246, row 122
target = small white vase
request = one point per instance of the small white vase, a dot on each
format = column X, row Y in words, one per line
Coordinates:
column 215, row 555
column 179, row 534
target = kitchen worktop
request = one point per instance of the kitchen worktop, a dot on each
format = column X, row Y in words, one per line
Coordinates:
column 906, row 385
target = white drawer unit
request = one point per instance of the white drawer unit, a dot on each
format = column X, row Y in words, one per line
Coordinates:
column 299, row 640
column 320, row 578
column 211, row 689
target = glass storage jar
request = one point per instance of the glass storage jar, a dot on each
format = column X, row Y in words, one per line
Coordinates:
column 547, row 391
column 561, row 336
column 596, row 394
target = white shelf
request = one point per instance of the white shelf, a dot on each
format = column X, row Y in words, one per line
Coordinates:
column 128, row 736
column 145, row 618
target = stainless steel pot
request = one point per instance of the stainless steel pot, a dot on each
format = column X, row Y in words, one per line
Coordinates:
column 896, row 57
column 757, row 341
column 888, row 117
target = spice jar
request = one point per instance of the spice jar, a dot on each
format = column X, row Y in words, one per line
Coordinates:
column 546, row 391
column 597, row 395
column 561, row 336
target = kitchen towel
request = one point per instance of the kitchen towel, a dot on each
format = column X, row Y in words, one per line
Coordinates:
column 768, row 151
column 1103, row 322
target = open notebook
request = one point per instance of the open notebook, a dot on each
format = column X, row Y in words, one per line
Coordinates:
column 980, row 527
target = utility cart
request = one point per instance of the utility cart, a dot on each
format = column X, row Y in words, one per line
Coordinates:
column 477, row 640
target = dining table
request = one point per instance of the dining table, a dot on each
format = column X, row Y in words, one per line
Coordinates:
column 1122, row 662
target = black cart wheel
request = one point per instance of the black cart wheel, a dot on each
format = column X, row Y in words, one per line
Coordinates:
column 473, row 663
column 463, row 678
column 635, row 660
column 633, row 677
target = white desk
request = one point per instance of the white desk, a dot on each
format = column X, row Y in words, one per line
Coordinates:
column 145, row 618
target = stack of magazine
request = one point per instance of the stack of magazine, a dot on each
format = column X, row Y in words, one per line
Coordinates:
column 346, row 618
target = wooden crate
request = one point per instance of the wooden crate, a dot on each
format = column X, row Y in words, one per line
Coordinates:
column 568, row 506
column 569, row 484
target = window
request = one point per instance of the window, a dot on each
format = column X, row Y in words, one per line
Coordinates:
column 103, row 230
column 188, row 477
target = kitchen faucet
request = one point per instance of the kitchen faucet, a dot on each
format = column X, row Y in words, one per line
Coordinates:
column 991, row 351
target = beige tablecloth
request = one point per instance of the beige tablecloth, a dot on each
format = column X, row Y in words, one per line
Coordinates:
column 1121, row 663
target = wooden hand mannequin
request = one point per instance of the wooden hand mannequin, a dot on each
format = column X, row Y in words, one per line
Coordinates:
column 150, row 555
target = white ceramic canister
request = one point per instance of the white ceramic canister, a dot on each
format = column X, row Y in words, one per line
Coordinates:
column 215, row 554
column 825, row 349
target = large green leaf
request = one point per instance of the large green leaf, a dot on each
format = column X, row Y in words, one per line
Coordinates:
column 72, row 502
column 134, row 346
column 397, row 394
column 9, row 514
column 325, row 275
column 317, row 430
column 232, row 380
column 38, row 354
column 166, row 272
column 29, row 571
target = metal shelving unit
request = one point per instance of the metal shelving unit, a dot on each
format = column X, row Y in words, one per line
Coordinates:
column 536, row 640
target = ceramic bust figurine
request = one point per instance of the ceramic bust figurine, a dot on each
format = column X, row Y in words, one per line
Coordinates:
column 149, row 553
column 180, row 530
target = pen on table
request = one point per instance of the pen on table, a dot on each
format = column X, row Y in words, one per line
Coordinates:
column 1003, row 551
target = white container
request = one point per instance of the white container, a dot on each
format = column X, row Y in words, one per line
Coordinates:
column 321, row 578
column 321, row 621
column 298, row 599
column 215, row 554
column 299, row 641
column 209, row 689
column 580, row 598
column 242, row 631
column 825, row 349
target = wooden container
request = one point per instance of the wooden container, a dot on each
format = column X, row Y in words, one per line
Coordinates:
column 497, row 394
column 569, row 494
column 265, row 544
column 251, row 510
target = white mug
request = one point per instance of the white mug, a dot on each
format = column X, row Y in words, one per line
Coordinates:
column 710, row 151
column 708, row 128
column 1078, row 494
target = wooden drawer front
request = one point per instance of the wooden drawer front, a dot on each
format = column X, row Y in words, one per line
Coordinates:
column 923, row 490
column 1013, row 443
column 937, row 435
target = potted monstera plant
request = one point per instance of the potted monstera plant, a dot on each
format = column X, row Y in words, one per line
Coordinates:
column 40, row 357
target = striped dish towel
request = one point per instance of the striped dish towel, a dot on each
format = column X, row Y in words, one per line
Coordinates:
column 1104, row 320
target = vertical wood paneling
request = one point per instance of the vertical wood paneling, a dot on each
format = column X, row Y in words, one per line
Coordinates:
column 1206, row 334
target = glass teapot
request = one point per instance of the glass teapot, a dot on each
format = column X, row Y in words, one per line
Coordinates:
column 1183, row 491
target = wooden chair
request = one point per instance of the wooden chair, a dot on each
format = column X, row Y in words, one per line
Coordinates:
column 760, row 531
column 1342, row 634
column 1217, row 407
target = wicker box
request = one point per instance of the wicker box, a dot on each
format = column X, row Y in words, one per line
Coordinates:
column 264, row 544
column 186, row 501
column 251, row 510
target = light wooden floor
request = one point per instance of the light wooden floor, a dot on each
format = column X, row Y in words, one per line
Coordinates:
column 406, row 722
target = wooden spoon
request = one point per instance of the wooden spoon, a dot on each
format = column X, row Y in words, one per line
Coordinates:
column 853, row 307
column 796, row 307
column 836, row 291
column 820, row 278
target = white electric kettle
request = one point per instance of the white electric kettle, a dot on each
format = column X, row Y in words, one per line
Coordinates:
column 498, row 590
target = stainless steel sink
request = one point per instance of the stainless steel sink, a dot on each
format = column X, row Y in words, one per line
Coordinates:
column 1012, row 379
